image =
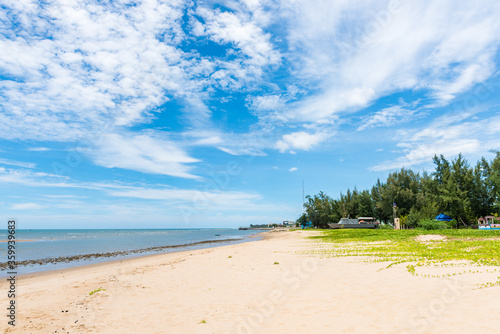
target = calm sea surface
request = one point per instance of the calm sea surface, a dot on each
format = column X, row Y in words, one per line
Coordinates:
column 41, row 244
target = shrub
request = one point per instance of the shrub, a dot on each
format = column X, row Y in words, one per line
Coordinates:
column 452, row 223
column 413, row 218
column 428, row 224
column 403, row 220
column 385, row 226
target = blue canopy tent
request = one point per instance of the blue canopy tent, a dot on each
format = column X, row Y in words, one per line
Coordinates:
column 308, row 224
column 442, row 217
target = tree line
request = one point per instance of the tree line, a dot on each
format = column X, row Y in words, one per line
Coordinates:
column 455, row 188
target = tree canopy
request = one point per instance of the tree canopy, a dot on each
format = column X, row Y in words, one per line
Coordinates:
column 455, row 188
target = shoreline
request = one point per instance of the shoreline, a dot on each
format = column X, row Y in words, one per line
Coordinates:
column 74, row 261
column 275, row 285
column 137, row 258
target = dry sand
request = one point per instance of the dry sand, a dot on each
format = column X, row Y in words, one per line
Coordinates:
column 240, row 289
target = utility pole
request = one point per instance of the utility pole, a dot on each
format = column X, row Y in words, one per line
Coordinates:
column 303, row 198
column 394, row 210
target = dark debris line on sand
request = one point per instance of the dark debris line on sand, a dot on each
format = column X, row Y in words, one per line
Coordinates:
column 67, row 259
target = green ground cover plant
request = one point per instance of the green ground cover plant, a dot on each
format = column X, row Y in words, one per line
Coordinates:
column 429, row 224
column 96, row 290
column 479, row 247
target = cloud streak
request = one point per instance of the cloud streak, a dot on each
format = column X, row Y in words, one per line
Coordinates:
column 17, row 163
column 194, row 200
column 405, row 46
column 389, row 117
column 26, row 206
column 471, row 137
column 143, row 153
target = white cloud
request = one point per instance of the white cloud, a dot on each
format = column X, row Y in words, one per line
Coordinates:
column 267, row 102
column 196, row 199
column 300, row 140
column 210, row 141
column 17, row 163
column 466, row 77
column 63, row 196
column 394, row 46
column 388, row 117
column 78, row 64
column 143, row 153
column 252, row 143
column 473, row 138
column 242, row 30
column 422, row 153
column 32, row 178
column 293, row 169
column 241, row 148
column 38, row 149
column 26, row 206
column 75, row 68
column 211, row 196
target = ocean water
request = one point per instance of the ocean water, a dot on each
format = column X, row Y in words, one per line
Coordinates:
column 43, row 244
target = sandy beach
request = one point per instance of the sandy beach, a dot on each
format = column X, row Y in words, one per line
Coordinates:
column 274, row 285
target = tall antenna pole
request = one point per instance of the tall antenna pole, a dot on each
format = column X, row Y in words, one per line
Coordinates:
column 303, row 198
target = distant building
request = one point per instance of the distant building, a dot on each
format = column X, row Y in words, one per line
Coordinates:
column 489, row 223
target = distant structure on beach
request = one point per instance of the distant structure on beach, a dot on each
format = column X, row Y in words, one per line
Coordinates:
column 489, row 223
column 257, row 227
column 442, row 217
column 286, row 223
column 360, row 222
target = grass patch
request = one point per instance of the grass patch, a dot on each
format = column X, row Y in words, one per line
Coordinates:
column 96, row 290
column 488, row 284
column 275, row 262
column 480, row 247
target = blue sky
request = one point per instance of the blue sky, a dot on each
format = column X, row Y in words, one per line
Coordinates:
column 211, row 113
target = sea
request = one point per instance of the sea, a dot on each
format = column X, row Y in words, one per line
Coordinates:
column 41, row 250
